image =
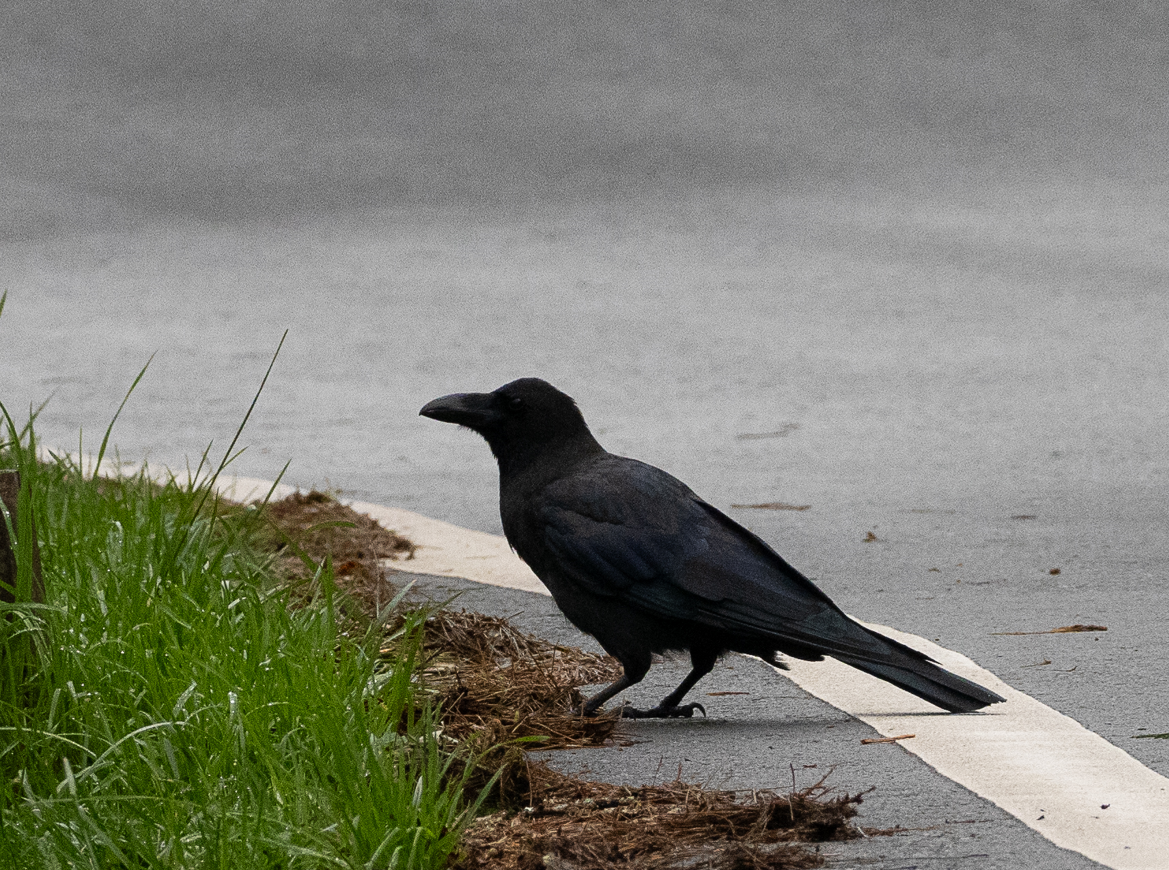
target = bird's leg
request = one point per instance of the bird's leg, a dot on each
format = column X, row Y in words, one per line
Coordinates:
column 702, row 662
column 593, row 704
column 634, row 669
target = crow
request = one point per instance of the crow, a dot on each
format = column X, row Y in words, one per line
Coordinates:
column 634, row 558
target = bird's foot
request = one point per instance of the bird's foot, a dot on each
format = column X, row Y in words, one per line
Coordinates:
column 586, row 711
column 684, row 711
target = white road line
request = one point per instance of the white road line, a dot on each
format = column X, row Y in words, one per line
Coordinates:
column 1053, row 774
column 1066, row 782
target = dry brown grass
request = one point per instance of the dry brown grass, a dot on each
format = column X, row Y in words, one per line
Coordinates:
column 574, row 824
column 316, row 525
column 498, row 682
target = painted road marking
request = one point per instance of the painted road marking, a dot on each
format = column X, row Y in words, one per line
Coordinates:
column 1066, row 782
column 1039, row 765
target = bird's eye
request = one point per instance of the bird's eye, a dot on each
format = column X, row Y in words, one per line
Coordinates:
column 515, row 403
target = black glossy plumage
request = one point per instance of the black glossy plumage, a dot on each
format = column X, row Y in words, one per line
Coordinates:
column 633, row 557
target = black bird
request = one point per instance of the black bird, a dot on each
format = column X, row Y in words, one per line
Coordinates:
column 633, row 557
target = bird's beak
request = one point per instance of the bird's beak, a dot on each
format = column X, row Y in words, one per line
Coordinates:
column 473, row 410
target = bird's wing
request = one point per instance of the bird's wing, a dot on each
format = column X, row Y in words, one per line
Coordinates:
column 623, row 528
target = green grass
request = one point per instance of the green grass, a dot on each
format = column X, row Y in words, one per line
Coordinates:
column 179, row 714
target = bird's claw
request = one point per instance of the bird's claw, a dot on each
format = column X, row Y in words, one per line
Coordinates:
column 684, row 711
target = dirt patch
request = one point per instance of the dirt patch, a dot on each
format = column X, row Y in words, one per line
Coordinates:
column 573, row 824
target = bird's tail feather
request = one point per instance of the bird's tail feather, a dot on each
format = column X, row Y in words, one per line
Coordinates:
column 883, row 657
column 931, row 683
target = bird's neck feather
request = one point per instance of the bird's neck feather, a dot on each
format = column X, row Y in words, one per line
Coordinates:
column 533, row 464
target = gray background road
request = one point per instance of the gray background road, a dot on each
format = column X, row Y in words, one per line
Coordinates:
column 904, row 264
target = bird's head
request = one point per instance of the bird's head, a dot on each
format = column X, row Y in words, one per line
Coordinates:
column 519, row 420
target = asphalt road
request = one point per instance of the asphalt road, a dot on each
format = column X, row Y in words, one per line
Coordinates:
column 903, row 265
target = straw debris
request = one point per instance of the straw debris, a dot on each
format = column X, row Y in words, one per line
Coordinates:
column 316, row 525
column 573, row 823
column 498, row 684
column 1063, row 629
